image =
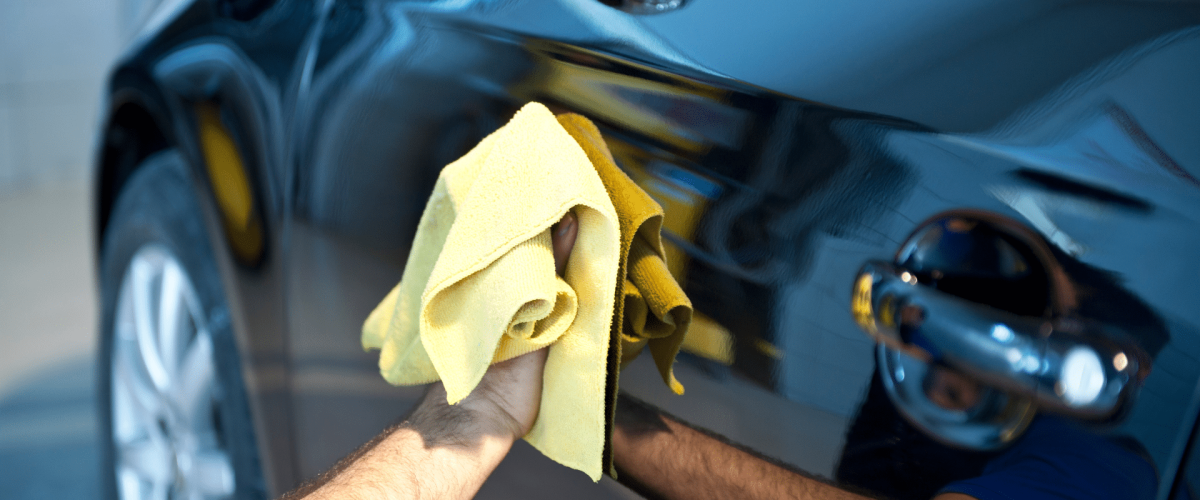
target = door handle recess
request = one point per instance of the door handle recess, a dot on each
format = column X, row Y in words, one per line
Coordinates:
column 1074, row 366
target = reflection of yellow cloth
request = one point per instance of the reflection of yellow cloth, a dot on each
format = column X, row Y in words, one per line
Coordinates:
column 651, row 309
column 654, row 309
column 479, row 286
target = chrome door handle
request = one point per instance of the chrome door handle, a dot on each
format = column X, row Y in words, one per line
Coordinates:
column 1076, row 367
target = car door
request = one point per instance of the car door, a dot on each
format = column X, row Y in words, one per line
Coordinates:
column 773, row 204
column 228, row 70
column 385, row 105
column 413, row 88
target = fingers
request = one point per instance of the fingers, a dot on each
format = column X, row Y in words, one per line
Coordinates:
column 563, row 236
column 528, row 365
column 510, row 392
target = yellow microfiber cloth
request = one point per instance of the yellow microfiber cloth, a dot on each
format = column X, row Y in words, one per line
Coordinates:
column 654, row 307
column 480, row 287
column 651, row 308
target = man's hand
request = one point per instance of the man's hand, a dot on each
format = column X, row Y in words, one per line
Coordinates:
column 448, row 451
column 510, row 393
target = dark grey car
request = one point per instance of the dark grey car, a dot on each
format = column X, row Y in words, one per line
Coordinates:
column 911, row 231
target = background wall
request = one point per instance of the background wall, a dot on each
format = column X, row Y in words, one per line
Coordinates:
column 54, row 56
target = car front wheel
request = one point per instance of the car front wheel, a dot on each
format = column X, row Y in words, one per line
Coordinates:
column 172, row 401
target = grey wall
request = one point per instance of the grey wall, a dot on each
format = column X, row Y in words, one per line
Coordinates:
column 54, row 55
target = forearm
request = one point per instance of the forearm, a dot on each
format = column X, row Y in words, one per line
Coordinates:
column 444, row 451
column 440, row 451
column 404, row 466
column 676, row 461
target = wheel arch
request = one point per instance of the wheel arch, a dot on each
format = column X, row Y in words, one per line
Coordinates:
column 135, row 127
column 151, row 107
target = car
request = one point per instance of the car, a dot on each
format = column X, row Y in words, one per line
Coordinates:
column 914, row 233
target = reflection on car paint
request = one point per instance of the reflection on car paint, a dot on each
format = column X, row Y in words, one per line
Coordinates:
column 231, row 186
column 772, row 203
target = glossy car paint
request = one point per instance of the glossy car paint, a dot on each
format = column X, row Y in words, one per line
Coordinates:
column 790, row 144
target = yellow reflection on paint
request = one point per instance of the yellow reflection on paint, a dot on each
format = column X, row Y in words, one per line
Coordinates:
column 230, row 184
column 708, row 339
column 768, row 348
column 860, row 304
column 224, row 167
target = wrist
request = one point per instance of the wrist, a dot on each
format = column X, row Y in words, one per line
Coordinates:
column 450, row 449
column 472, row 421
column 480, row 452
column 407, row 464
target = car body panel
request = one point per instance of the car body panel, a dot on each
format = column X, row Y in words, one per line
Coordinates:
column 1071, row 119
column 246, row 67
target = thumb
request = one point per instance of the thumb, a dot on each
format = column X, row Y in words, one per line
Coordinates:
column 563, row 236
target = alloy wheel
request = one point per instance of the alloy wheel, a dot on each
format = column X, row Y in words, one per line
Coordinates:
column 166, row 423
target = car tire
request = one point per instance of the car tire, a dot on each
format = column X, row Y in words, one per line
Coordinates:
column 175, row 419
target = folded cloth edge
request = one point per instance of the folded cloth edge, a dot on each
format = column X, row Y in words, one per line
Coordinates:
column 555, row 437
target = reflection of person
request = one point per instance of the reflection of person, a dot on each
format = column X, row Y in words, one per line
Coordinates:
column 985, row 261
column 1057, row 459
column 1054, row 458
column 951, row 389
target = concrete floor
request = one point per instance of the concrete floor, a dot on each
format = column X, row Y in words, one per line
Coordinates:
column 47, row 325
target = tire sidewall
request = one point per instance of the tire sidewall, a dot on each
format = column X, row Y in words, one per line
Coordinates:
column 158, row 205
